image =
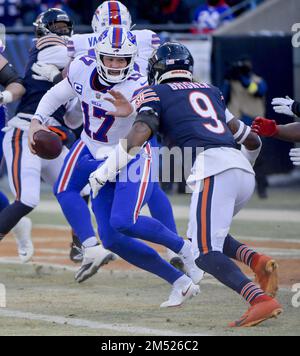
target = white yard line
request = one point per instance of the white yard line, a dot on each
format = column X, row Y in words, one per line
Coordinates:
column 89, row 324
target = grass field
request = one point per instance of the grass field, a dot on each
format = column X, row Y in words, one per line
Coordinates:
column 43, row 298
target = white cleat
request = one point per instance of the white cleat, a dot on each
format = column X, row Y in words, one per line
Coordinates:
column 192, row 270
column 93, row 258
column 22, row 233
column 180, row 295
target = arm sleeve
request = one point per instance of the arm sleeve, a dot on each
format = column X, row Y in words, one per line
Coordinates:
column 296, row 108
column 8, row 75
column 56, row 55
column 150, row 117
column 59, row 95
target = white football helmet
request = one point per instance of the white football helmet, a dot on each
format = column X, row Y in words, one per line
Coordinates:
column 120, row 43
column 111, row 13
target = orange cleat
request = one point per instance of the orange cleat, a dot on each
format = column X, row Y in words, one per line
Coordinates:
column 266, row 274
column 259, row 313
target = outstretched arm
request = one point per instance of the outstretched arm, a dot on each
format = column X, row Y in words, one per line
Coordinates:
column 249, row 141
column 146, row 124
column 268, row 128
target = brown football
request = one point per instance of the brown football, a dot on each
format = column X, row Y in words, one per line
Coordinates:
column 48, row 145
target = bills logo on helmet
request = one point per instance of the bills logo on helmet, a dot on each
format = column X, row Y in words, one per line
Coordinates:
column 103, row 36
column 132, row 38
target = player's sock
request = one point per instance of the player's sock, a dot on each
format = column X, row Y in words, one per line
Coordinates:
column 77, row 214
column 148, row 229
column 161, row 208
column 143, row 256
column 228, row 273
column 240, row 252
column 4, row 202
column 11, row 215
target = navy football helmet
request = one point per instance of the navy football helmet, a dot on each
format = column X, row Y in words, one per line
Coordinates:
column 48, row 22
column 170, row 62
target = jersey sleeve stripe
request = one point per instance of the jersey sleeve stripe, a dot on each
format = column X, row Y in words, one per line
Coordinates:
column 49, row 44
column 142, row 102
column 50, row 38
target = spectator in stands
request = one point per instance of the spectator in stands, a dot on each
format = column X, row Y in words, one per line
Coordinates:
column 164, row 11
column 244, row 93
column 212, row 15
column 31, row 8
column 10, row 14
column 249, row 6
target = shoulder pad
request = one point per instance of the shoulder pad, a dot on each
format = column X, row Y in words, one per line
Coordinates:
column 49, row 41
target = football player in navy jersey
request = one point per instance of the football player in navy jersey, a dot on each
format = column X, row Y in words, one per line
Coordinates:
column 24, row 169
column 194, row 115
column 13, row 91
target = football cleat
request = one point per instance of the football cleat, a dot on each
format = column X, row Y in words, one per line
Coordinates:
column 93, row 258
column 192, row 270
column 22, row 233
column 76, row 251
column 178, row 264
column 258, row 313
column 180, row 295
column 266, row 274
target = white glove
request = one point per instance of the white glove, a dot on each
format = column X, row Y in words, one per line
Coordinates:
column 295, row 156
column 283, row 105
column 97, row 181
column 45, row 71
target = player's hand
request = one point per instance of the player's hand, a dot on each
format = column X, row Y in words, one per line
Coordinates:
column 44, row 71
column 122, row 105
column 295, row 156
column 283, row 106
column 264, row 127
column 97, row 181
column 35, row 126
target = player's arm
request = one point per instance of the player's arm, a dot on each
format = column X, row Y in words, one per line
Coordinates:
column 57, row 96
column 52, row 58
column 11, row 81
column 249, row 141
column 145, row 126
column 268, row 128
column 286, row 106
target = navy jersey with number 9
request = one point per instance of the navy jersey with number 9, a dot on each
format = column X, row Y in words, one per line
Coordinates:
column 190, row 114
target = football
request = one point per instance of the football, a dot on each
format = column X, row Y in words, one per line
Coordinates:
column 48, row 145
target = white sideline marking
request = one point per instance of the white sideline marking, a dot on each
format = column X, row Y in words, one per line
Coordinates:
column 57, row 319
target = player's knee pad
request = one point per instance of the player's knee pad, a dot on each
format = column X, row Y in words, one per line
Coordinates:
column 30, row 200
column 207, row 261
column 218, row 239
column 121, row 223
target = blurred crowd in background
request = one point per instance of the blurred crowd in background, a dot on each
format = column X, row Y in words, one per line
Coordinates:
column 205, row 15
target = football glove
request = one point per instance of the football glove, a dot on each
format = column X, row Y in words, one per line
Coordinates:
column 97, row 181
column 44, row 71
column 283, row 106
column 295, row 156
column 264, row 127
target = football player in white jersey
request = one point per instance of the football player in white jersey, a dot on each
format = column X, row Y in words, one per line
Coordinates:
column 114, row 13
column 118, row 212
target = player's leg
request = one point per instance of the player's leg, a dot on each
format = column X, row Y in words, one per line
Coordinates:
column 264, row 267
column 24, row 180
column 130, row 195
column 161, row 209
column 76, row 169
column 138, row 253
column 212, row 210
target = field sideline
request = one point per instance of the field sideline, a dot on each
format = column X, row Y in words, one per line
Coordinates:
column 43, row 299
